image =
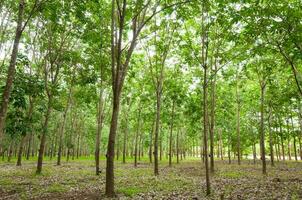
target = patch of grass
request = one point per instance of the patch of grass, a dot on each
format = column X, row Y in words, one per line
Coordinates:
column 130, row 191
column 231, row 174
column 4, row 182
column 57, row 188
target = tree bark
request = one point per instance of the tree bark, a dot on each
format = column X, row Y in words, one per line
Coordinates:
column 100, row 120
column 238, row 123
column 62, row 127
column 262, row 133
column 212, row 128
column 271, row 138
column 221, row 144
column 294, row 136
column 171, row 134
column 151, row 141
column 282, row 143
column 110, row 148
column 29, row 146
column 126, row 132
column 205, row 132
column 158, row 106
column 21, row 150
column 43, row 136
column 288, row 141
column 11, row 69
column 137, row 135
column 254, row 153
column 177, row 147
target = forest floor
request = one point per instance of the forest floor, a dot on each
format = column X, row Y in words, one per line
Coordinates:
column 76, row 180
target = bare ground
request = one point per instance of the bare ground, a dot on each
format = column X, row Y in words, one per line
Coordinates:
column 76, row 180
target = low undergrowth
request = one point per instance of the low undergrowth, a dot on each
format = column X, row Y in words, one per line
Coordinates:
column 77, row 180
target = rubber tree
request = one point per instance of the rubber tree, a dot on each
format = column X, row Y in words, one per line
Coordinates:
column 138, row 15
column 52, row 66
column 22, row 20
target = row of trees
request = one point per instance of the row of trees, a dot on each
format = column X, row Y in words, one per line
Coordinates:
column 137, row 78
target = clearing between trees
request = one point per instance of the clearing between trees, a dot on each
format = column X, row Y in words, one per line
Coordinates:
column 76, row 180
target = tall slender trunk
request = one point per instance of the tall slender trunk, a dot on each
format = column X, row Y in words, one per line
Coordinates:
column 282, row 148
column 21, row 150
column 43, row 136
column 221, row 144
column 204, row 55
column 100, row 120
column 238, row 128
column 300, row 148
column 212, row 128
column 262, row 133
column 171, row 134
column 229, row 148
column 117, row 152
column 271, row 138
column 288, row 140
column 300, row 125
column 110, row 147
column 151, row 142
column 295, row 148
column 205, row 130
column 62, row 127
column 294, row 136
column 30, row 137
column 137, row 134
column 78, row 145
column 278, row 152
column 29, row 146
column 177, row 147
column 11, row 69
column 126, row 133
column 10, row 151
column 158, row 106
column 254, row 153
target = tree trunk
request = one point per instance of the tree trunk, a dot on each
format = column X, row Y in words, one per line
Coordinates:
column 30, row 112
column 212, row 128
column 221, row 144
column 11, row 69
column 171, row 134
column 10, row 151
column 300, row 148
column 151, row 142
column 43, row 136
column 126, row 132
column 288, row 141
column 110, row 147
column 295, row 148
column 294, row 136
column 21, row 150
column 78, row 145
column 100, row 120
column 62, row 127
column 158, row 106
column 262, row 133
column 68, row 154
column 238, row 126
column 229, row 149
column 117, row 151
column 177, row 147
column 137, row 134
column 254, row 153
column 29, row 146
column 271, row 139
column 282, row 147
column 205, row 129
